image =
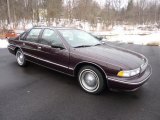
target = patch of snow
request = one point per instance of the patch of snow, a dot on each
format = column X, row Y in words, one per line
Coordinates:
column 131, row 34
column 28, row 26
column 136, row 39
column 19, row 31
column 3, row 43
column 134, row 34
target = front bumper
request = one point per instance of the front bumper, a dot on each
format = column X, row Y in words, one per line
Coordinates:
column 129, row 83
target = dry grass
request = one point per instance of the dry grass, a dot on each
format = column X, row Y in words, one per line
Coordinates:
column 153, row 44
column 130, row 42
column 2, row 36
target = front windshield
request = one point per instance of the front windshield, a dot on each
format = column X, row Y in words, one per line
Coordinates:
column 78, row 38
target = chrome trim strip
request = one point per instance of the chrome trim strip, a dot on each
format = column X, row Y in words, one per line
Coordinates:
column 71, row 68
column 131, row 83
column 51, row 68
column 9, row 47
column 40, row 44
column 46, row 61
column 144, row 66
column 12, row 45
column 33, row 43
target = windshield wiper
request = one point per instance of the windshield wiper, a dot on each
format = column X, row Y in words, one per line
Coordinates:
column 97, row 44
column 83, row 46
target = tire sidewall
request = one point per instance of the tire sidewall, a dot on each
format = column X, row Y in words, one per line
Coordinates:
column 24, row 62
column 101, row 86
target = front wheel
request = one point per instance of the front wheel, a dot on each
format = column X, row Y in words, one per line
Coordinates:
column 20, row 58
column 91, row 80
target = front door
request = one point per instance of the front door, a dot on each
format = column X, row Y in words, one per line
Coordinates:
column 55, row 58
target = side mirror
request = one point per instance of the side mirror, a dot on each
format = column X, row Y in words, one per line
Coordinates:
column 19, row 38
column 57, row 45
column 99, row 38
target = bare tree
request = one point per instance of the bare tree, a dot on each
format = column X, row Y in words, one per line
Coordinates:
column 136, row 12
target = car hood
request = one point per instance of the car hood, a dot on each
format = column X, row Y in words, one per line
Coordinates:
column 125, row 59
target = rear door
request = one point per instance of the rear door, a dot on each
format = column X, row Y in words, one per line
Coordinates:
column 55, row 58
column 30, row 44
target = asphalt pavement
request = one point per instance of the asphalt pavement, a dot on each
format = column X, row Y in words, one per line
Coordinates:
column 37, row 93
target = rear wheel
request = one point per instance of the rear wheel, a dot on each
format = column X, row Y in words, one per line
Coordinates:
column 20, row 58
column 91, row 80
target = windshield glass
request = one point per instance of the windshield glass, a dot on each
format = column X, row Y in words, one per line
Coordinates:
column 78, row 38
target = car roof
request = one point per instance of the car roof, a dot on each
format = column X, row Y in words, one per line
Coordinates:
column 57, row 28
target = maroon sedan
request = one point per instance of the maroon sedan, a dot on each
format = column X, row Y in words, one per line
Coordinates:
column 96, row 64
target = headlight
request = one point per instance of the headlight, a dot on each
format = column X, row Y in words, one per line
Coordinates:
column 128, row 73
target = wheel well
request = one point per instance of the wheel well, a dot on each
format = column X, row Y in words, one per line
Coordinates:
column 79, row 66
column 15, row 50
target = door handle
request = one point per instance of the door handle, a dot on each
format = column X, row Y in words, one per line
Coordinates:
column 39, row 47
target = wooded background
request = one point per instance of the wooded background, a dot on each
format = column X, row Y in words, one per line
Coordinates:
column 111, row 13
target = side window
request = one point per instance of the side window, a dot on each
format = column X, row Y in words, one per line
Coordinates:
column 33, row 35
column 49, row 37
column 22, row 36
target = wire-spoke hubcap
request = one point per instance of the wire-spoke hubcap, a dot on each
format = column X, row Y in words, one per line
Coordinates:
column 89, row 80
column 20, row 58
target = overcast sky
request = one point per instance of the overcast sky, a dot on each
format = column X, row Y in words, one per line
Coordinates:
column 102, row 2
column 124, row 2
